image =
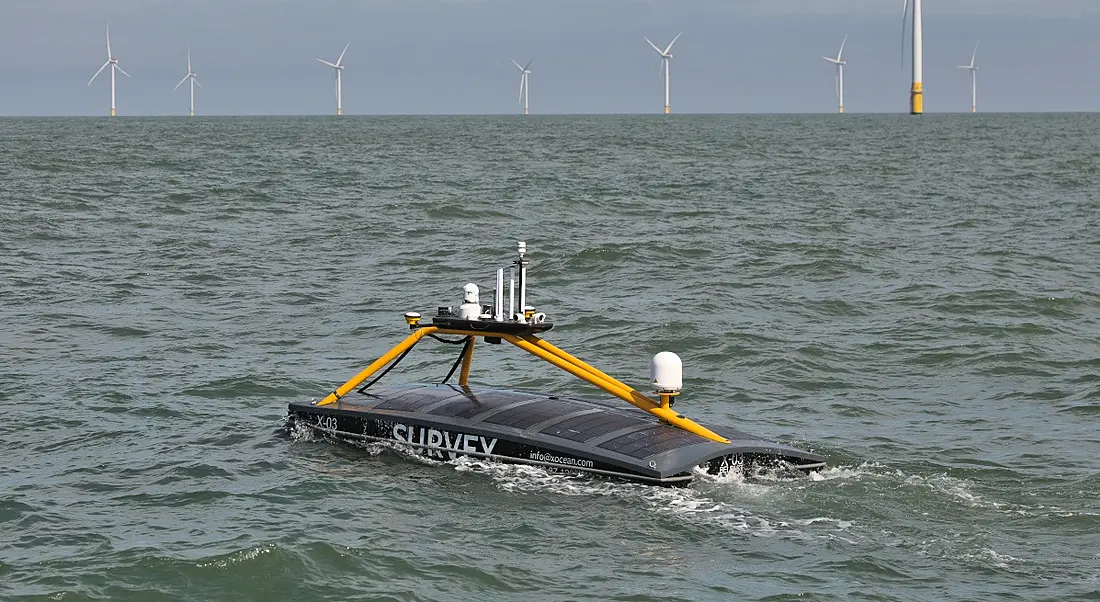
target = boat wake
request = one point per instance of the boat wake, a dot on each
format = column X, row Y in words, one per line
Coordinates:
column 698, row 504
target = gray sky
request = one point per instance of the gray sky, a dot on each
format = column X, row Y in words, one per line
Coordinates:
column 452, row 56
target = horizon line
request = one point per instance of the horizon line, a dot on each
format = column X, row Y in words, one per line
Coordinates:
column 535, row 115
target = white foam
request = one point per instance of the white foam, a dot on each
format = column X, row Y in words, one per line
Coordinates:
column 694, row 505
column 238, row 557
column 990, row 557
column 830, row 473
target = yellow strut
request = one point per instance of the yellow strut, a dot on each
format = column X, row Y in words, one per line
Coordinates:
column 545, row 351
column 467, row 361
column 617, row 389
column 378, row 364
column 558, row 351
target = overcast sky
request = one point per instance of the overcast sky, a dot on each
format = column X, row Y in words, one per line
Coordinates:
column 452, row 56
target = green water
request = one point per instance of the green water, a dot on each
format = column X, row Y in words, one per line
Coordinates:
column 916, row 299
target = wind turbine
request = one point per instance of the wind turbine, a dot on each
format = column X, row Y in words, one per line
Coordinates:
column 973, row 80
column 524, row 89
column 338, row 66
column 916, row 93
column 665, row 56
column 194, row 82
column 113, row 63
column 839, row 62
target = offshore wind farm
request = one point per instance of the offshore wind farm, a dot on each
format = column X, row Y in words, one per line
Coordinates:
column 710, row 78
column 912, row 30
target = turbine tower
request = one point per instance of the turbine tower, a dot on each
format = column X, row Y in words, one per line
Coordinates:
column 665, row 56
column 839, row 62
column 338, row 66
column 916, row 93
column 194, row 82
column 973, row 80
column 113, row 63
column 524, row 90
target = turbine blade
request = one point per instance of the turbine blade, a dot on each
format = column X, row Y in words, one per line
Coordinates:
column 521, row 78
column 518, row 66
column 98, row 72
column 831, row 60
column 975, row 55
column 120, row 69
column 904, row 12
column 189, row 59
column 669, row 47
column 333, row 65
column 185, row 78
column 342, row 53
column 841, row 53
column 654, row 46
column 196, row 80
column 529, row 63
column 108, row 39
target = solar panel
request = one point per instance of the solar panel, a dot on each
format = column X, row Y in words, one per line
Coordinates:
column 526, row 415
column 651, row 441
column 590, row 426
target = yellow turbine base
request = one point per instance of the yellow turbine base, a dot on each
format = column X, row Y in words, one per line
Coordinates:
column 916, row 99
column 339, row 112
column 192, row 113
column 841, row 108
column 112, row 111
column 667, row 110
column 525, row 111
column 973, row 109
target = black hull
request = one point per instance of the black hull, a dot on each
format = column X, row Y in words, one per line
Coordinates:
column 444, row 422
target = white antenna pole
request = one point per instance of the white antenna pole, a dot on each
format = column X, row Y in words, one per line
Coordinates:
column 522, row 246
column 523, row 288
column 498, row 297
column 511, row 292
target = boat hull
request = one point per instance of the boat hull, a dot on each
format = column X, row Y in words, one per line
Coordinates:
column 560, row 433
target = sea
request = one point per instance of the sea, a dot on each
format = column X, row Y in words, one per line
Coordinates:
column 915, row 298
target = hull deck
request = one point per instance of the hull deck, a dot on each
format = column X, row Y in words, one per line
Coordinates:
column 445, row 421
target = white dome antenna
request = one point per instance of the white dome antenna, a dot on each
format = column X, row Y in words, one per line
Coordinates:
column 471, row 294
column 667, row 374
column 471, row 303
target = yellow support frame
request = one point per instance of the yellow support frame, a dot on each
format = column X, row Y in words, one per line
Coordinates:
column 467, row 361
column 545, row 351
column 377, row 364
